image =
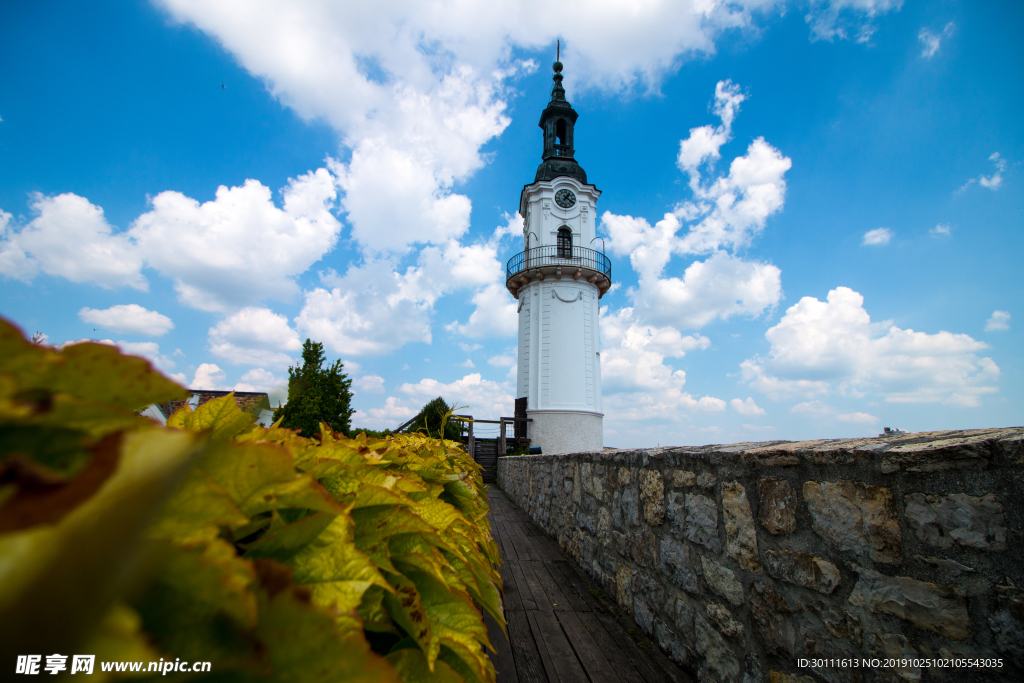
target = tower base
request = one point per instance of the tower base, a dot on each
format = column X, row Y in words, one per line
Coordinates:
column 566, row 431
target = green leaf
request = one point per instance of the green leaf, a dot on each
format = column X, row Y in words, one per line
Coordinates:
column 413, row 668
column 406, row 608
column 283, row 543
column 220, row 415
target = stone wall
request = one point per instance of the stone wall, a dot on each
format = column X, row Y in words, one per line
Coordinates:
column 740, row 560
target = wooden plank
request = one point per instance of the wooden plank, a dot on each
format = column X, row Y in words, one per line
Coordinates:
column 612, row 650
column 547, row 548
column 529, row 666
column 579, row 587
column 559, row 602
column 639, row 658
column 555, row 651
column 519, row 541
column 525, row 593
column 597, row 666
column 576, row 603
column 502, row 659
column 534, row 585
column 511, row 595
column 506, row 541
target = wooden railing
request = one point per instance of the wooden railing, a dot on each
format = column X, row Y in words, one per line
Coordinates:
column 503, row 439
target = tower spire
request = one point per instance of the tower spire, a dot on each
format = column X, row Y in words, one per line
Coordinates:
column 557, row 121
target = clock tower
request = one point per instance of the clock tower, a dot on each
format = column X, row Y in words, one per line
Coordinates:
column 558, row 279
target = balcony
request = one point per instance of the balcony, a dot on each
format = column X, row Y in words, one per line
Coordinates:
column 558, row 262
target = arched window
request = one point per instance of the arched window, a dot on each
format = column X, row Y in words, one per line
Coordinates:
column 564, row 242
column 560, row 132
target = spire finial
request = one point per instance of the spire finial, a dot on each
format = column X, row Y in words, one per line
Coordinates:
column 558, row 50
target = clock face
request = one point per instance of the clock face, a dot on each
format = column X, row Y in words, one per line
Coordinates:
column 565, row 198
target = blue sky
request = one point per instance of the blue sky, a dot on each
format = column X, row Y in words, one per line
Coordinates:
column 813, row 208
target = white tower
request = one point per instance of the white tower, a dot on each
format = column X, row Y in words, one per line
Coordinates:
column 559, row 279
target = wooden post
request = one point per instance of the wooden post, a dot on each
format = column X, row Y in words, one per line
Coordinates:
column 472, row 441
column 502, row 448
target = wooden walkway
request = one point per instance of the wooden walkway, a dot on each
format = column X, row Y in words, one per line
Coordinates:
column 558, row 628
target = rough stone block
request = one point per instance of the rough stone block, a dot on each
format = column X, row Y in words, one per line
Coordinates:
column 701, row 525
column 776, row 506
column 642, row 547
column 625, row 476
column 721, row 617
column 677, row 564
column 652, row 493
column 630, row 507
column 802, row 569
column 722, row 581
column 856, row 517
column 740, row 536
column 928, row 606
column 669, row 644
column 896, row 646
column 773, row 619
column 1007, row 623
column 971, row 521
column 706, row 480
column 939, row 454
column 780, row 677
column 682, row 478
column 716, row 652
column 624, row 586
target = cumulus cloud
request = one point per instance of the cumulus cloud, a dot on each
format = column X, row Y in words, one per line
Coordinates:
column 254, row 336
column 636, row 383
column 830, row 346
column 999, row 321
column 494, row 314
column 209, row 377
column 746, row 407
column 239, row 248
column 128, row 319
column 877, row 237
column 726, row 212
column 941, row 229
column 394, row 412
column 932, row 41
column 481, row 396
column 150, row 350
column 847, row 19
column 371, row 384
column 69, row 238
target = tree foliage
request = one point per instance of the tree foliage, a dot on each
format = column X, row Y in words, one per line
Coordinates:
column 317, row 394
column 433, row 418
column 273, row 556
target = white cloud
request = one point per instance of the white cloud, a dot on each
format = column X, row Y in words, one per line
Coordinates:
column 857, row 418
column 254, row 336
column 469, row 347
column 876, row 237
column 941, row 229
column 502, row 361
column 371, row 384
column 727, row 212
column 830, row 19
column 992, row 182
column 832, row 346
column 129, row 318
column 209, row 377
column 150, row 350
column 636, row 384
column 998, row 321
column 746, row 407
column 239, row 248
column 69, row 238
column 468, row 363
column 259, row 379
column 369, row 311
column 494, row 316
column 482, row 397
column 393, row 413
column 932, row 41
column 823, row 411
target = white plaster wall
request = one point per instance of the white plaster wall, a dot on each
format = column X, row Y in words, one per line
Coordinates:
column 557, row 431
column 543, row 217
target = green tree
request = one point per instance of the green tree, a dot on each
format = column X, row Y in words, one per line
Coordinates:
column 430, row 418
column 317, row 394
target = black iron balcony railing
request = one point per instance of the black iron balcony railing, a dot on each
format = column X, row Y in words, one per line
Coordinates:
column 563, row 151
column 578, row 257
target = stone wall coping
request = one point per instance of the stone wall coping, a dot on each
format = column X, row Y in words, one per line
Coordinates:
column 913, row 452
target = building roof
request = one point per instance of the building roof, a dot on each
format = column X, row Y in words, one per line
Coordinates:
column 249, row 401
